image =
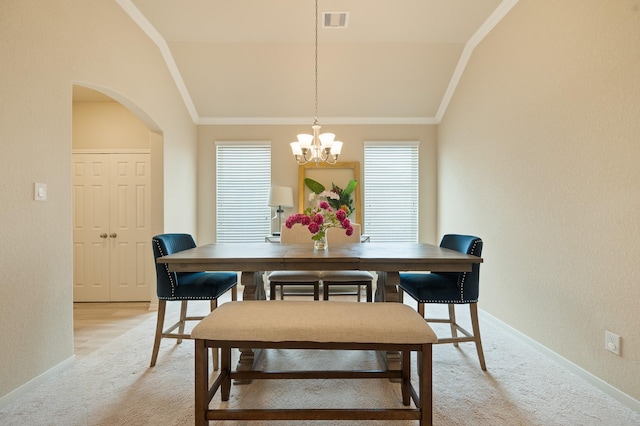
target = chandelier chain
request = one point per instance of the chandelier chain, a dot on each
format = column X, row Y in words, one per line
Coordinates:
column 316, row 147
column 316, row 61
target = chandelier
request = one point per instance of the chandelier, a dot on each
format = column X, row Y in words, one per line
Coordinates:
column 316, row 147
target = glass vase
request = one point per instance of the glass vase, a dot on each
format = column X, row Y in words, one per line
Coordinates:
column 320, row 244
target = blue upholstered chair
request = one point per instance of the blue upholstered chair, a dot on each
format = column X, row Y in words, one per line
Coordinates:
column 185, row 286
column 450, row 288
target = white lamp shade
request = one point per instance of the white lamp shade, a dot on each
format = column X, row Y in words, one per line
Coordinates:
column 305, row 140
column 326, row 139
column 295, row 148
column 281, row 196
column 336, row 148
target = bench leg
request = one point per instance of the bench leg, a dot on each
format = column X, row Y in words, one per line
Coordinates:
column 225, row 371
column 201, row 383
column 426, row 382
column 406, row 377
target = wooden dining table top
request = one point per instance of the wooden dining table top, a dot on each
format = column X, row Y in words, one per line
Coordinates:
column 273, row 256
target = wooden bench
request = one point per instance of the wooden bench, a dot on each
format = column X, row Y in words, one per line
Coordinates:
column 314, row 325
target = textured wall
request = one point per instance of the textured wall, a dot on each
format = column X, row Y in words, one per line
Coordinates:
column 47, row 47
column 541, row 143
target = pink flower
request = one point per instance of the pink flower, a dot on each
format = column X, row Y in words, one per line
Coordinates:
column 324, row 205
column 346, row 223
column 341, row 215
column 305, row 220
column 349, row 231
column 314, row 228
column 318, row 218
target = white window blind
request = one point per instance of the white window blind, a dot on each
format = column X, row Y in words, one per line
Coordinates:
column 391, row 191
column 243, row 179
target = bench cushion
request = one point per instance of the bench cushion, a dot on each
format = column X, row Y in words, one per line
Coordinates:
column 311, row 321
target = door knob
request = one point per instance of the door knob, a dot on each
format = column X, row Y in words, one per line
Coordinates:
column 103, row 235
column 113, row 235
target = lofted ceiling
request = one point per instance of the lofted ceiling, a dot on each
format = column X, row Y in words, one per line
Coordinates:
column 252, row 61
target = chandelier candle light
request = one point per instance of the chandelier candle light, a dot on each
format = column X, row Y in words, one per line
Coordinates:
column 316, row 147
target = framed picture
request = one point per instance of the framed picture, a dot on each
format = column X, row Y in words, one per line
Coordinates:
column 339, row 174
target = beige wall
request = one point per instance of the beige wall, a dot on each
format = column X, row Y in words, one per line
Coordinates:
column 539, row 154
column 107, row 125
column 285, row 170
column 47, row 47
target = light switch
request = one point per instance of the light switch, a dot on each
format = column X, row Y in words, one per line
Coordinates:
column 40, row 192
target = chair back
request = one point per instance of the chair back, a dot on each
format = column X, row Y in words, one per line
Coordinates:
column 339, row 236
column 297, row 234
column 468, row 282
column 164, row 245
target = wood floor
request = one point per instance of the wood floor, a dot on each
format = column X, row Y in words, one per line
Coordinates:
column 96, row 324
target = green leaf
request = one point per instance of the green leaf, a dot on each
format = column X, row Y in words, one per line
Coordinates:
column 314, row 186
column 351, row 186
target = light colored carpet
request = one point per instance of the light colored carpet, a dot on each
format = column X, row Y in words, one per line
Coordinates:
column 115, row 386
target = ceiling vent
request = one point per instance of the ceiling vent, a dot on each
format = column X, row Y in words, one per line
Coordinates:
column 335, row 19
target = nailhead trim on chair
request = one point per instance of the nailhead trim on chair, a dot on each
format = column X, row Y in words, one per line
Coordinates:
column 464, row 276
column 166, row 267
column 173, row 284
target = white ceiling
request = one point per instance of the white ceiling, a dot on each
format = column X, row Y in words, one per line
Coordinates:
column 252, row 61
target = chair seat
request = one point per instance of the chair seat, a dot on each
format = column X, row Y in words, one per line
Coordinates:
column 201, row 285
column 294, row 276
column 432, row 288
column 346, row 276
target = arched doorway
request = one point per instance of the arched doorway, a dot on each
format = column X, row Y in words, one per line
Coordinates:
column 112, row 190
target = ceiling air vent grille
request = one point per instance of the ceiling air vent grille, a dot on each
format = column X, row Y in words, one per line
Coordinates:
column 335, row 19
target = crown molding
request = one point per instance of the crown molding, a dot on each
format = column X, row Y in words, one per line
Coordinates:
column 488, row 25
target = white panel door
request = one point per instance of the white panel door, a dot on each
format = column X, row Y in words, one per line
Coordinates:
column 113, row 260
column 90, row 227
column 129, row 231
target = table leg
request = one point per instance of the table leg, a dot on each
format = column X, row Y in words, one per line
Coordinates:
column 253, row 290
column 387, row 291
column 387, row 287
column 253, row 286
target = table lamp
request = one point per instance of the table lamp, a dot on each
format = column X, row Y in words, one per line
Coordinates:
column 280, row 196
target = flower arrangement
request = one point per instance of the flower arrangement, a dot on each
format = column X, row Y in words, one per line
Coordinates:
column 338, row 198
column 322, row 217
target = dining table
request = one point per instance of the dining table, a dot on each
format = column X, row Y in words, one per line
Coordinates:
column 253, row 260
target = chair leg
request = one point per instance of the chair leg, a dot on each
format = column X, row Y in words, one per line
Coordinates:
column 476, row 334
column 370, row 292
column 162, row 305
column 421, row 309
column 272, row 291
column 453, row 324
column 234, row 293
column 214, row 351
column 183, row 315
column 325, row 291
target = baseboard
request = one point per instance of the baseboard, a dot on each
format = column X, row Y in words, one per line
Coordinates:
column 36, row 381
column 617, row 394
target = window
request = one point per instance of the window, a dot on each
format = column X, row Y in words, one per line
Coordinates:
column 391, row 191
column 243, row 179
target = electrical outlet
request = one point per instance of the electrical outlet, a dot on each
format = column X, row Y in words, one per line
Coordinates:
column 612, row 342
